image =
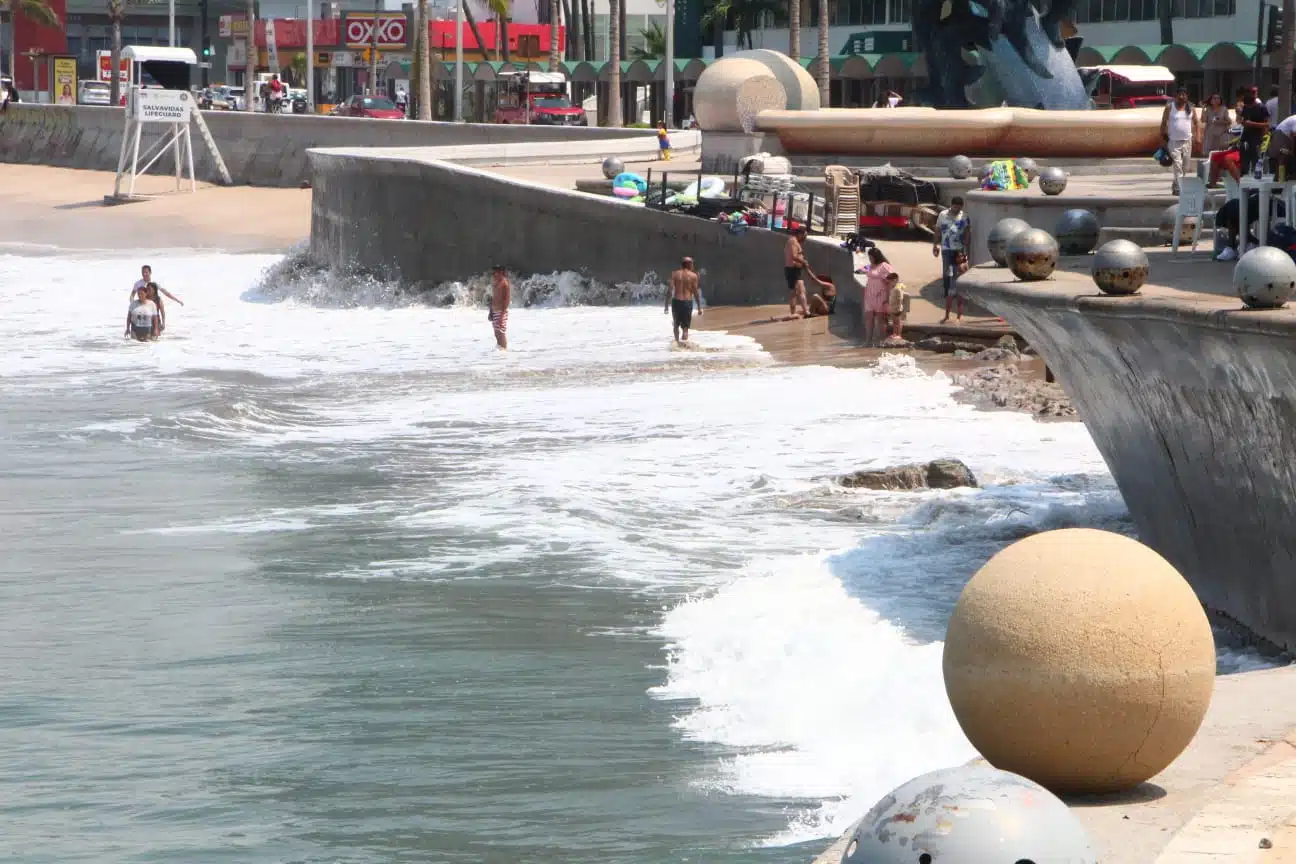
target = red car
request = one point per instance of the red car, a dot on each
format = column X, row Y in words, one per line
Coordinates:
column 372, row 107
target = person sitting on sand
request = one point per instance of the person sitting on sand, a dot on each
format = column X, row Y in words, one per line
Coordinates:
column 142, row 317
column 895, row 304
column 875, row 297
column 825, row 302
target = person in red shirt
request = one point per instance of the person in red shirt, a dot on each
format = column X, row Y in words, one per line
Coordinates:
column 276, row 94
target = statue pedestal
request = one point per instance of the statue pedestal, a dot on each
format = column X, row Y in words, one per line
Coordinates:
column 722, row 151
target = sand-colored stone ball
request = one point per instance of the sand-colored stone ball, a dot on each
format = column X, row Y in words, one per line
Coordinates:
column 1080, row 659
column 732, row 91
column 800, row 88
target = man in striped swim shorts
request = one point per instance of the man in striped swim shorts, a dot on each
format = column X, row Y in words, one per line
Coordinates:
column 501, row 295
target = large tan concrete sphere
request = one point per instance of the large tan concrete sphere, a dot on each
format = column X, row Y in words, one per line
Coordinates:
column 732, row 91
column 1079, row 659
column 800, row 88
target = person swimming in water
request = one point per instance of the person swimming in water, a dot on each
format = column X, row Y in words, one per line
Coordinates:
column 155, row 294
column 142, row 317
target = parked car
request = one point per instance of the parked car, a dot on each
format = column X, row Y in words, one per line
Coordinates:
column 297, row 100
column 226, row 98
column 93, row 93
column 373, row 107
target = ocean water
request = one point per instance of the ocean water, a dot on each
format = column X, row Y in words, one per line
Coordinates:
column 322, row 576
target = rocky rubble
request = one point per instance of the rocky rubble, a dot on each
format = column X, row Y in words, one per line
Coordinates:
column 1004, row 386
column 937, row 474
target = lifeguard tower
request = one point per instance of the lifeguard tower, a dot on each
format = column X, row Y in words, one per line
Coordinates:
column 167, row 106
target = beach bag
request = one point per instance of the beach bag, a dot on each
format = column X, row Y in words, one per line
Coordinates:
column 1163, row 157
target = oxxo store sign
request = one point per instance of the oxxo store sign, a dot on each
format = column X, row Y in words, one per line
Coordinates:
column 358, row 30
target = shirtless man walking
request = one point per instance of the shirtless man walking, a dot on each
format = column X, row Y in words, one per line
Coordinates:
column 681, row 297
column 794, row 262
column 501, row 296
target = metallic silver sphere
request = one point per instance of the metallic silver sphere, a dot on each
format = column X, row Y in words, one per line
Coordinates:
column 1265, row 278
column 1168, row 217
column 960, row 167
column 972, row 813
column 1028, row 165
column 612, row 166
column 1052, row 181
column 1077, row 232
column 1001, row 235
column 1120, row 267
column 1032, row 255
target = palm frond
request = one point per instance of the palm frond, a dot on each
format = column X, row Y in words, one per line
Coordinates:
column 38, row 11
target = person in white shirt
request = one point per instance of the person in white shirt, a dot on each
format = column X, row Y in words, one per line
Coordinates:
column 1178, row 131
column 1282, row 146
column 142, row 317
column 155, row 292
column 1272, row 106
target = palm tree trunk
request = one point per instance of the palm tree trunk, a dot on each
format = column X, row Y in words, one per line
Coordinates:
column 472, row 25
column 373, row 50
column 422, row 56
column 823, row 70
column 794, row 29
column 1165, row 14
column 114, row 56
column 573, row 32
column 1288, row 46
column 614, row 63
column 12, row 46
column 587, row 29
column 554, row 14
column 249, row 77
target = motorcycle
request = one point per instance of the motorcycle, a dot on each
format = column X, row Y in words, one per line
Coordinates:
column 299, row 105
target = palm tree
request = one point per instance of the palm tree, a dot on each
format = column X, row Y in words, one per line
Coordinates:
column 614, row 63
column 500, row 8
column 822, row 72
column 472, row 25
column 554, row 57
column 1165, row 15
column 116, row 12
column 654, row 43
column 746, row 14
column 38, row 11
column 424, row 78
column 794, row 29
column 249, row 76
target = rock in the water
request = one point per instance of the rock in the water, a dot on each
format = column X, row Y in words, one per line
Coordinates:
column 1004, row 386
column 896, row 342
column 998, row 355
column 936, row 344
column 1007, row 341
column 937, row 474
column 969, row 347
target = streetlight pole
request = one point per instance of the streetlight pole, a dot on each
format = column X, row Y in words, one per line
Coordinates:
column 458, row 94
column 670, row 64
column 171, row 23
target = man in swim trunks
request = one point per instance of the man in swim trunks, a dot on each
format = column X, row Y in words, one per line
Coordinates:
column 794, row 262
column 142, row 317
column 501, row 295
column 155, row 293
column 681, row 297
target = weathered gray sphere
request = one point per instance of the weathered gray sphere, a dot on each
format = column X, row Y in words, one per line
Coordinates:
column 612, row 166
column 1265, row 278
column 1032, row 255
column 1028, row 165
column 1001, row 235
column 1077, row 232
column 960, row 167
column 1120, row 267
column 1168, row 222
column 972, row 812
column 1052, row 181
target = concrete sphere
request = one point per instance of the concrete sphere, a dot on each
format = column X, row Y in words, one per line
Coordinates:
column 1077, row 232
column 1028, row 165
column 970, row 813
column 1265, row 278
column 799, row 88
column 1052, row 181
column 1032, row 255
column 1120, row 267
column 1168, row 216
column 960, row 167
column 732, row 91
column 1001, row 235
column 612, row 166
column 1080, row 659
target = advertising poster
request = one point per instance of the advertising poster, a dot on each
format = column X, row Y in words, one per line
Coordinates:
column 64, row 80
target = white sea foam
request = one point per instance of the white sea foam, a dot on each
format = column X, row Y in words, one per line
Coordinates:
column 802, row 619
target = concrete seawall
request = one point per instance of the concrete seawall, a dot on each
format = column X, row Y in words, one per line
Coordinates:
column 409, row 216
column 1192, row 402
column 262, row 150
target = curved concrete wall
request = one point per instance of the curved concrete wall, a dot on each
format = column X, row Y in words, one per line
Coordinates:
column 1194, row 409
column 407, row 215
column 262, row 150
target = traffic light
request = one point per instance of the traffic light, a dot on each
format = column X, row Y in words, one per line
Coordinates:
column 1274, row 30
column 207, row 49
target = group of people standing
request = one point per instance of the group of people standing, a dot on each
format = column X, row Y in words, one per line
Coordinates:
column 146, row 316
column 1231, row 137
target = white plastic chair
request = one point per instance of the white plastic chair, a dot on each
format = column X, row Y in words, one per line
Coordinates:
column 1192, row 203
column 1231, row 188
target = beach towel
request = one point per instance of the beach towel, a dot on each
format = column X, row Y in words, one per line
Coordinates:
column 1005, row 176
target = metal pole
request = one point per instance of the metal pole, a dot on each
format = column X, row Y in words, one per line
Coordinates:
column 171, row 22
column 670, row 64
column 1260, row 35
column 459, row 64
column 310, row 56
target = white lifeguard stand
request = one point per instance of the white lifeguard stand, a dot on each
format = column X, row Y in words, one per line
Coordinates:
column 170, row 105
